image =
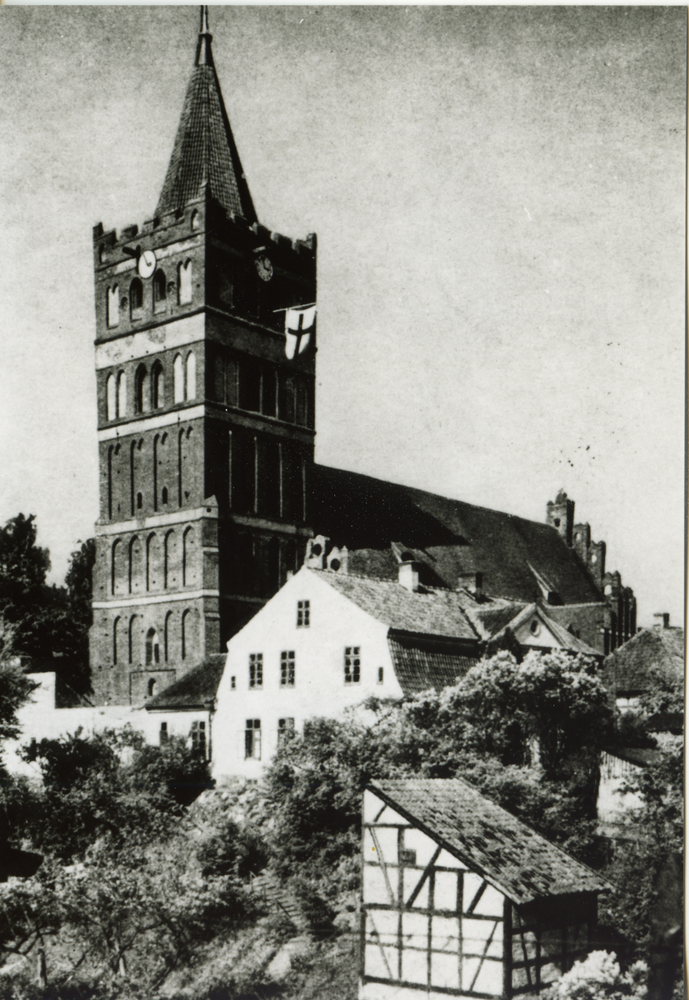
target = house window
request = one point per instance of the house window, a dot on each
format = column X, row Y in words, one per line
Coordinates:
column 303, row 614
column 287, row 668
column 164, row 735
column 352, row 665
column 198, row 738
column 252, row 739
column 285, row 728
column 380, row 675
column 233, row 682
column 256, row 670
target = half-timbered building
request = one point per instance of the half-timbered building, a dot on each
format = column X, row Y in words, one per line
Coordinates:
column 460, row 898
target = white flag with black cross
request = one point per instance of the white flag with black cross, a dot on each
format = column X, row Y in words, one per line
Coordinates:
column 300, row 329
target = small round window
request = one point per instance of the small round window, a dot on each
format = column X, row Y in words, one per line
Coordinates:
column 535, row 627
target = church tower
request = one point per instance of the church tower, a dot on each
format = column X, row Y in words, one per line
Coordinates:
column 205, row 411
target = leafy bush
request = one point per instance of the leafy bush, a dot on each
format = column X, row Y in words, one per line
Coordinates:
column 599, row 977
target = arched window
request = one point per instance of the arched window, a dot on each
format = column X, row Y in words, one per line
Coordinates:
column 184, row 282
column 152, row 647
column 114, row 555
column 159, row 291
column 111, row 398
column 122, row 394
column 112, row 306
column 156, row 439
column 187, row 566
column 185, row 634
column 142, row 393
column 134, row 553
column 180, row 459
column 167, row 558
column 167, row 638
column 131, row 638
column 178, row 372
column 164, row 495
column 115, row 625
column 150, row 561
column 136, row 298
column 191, row 376
column 151, row 687
column 132, row 474
column 109, row 484
column 157, row 386
column 195, row 220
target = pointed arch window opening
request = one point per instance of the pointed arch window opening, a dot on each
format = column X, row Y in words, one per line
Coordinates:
column 112, row 306
column 167, row 545
column 166, row 636
column 178, row 379
column 184, row 282
column 115, row 625
column 142, row 398
column 159, row 291
column 150, row 552
column 109, row 484
column 156, row 439
column 130, row 639
column 111, row 398
column 113, row 565
column 136, row 299
column 152, row 647
column 185, row 633
column 157, row 386
column 190, row 380
column 132, row 475
column 122, row 394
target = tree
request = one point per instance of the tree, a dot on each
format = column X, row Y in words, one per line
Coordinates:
column 23, row 564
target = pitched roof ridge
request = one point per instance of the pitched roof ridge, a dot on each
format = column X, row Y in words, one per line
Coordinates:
column 425, row 592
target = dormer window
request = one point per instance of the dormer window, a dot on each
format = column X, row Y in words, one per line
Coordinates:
column 303, row 614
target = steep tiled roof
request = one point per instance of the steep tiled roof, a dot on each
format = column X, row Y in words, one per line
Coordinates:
column 433, row 612
column 564, row 637
column 422, row 665
column 512, row 856
column 195, row 689
column 586, row 621
column 627, row 669
column 456, row 537
column 205, row 157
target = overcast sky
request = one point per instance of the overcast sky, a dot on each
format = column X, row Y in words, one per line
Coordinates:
column 498, row 194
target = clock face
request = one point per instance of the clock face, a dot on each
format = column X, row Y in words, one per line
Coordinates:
column 147, row 263
column 264, row 267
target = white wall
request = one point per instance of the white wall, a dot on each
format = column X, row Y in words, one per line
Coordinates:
column 319, row 690
column 613, row 806
column 39, row 719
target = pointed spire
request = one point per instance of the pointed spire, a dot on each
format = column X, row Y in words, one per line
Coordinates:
column 205, row 158
column 204, row 56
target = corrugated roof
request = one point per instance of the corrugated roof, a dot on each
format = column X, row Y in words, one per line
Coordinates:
column 627, row 669
column 204, row 156
column 433, row 612
column 195, row 689
column 456, row 537
column 422, row 665
column 516, row 859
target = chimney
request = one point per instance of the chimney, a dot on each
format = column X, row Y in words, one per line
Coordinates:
column 409, row 576
column 665, row 616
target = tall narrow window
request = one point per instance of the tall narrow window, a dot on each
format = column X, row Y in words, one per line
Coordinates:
column 152, row 647
column 185, row 634
column 252, row 739
column 352, row 665
column 303, row 614
column 132, row 475
column 164, row 735
column 167, row 636
column 122, row 394
column 136, row 298
column 150, row 559
column 115, row 626
column 131, row 637
column 109, row 484
column 190, row 387
column 243, row 476
column 178, row 379
column 255, row 670
column 184, row 282
column 180, row 457
column 112, row 306
column 287, row 668
column 159, row 291
column 187, row 557
column 133, row 563
column 142, row 395
column 111, row 398
column 157, row 386
column 167, row 556
column 287, row 397
column 285, row 730
column 156, row 440
column 151, row 687
column 116, row 554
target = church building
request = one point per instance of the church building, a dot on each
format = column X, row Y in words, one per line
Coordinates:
column 210, row 498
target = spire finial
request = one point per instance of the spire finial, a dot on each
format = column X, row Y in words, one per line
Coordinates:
column 204, row 56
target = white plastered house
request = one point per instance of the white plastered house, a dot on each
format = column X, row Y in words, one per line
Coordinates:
column 327, row 641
